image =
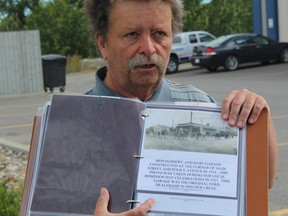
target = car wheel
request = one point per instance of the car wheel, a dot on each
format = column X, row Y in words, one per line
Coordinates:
column 212, row 69
column 172, row 65
column 231, row 63
column 284, row 55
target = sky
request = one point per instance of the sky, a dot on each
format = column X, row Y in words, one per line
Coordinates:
column 206, row 1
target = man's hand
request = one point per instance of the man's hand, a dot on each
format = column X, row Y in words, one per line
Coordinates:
column 102, row 203
column 242, row 106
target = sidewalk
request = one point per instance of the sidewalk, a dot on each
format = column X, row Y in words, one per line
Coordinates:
column 16, row 122
column 17, row 112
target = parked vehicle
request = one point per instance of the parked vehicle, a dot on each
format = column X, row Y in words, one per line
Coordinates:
column 230, row 51
column 183, row 45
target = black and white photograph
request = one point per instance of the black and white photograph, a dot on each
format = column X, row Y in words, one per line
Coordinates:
column 186, row 130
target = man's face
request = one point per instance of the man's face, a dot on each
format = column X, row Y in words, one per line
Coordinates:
column 137, row 30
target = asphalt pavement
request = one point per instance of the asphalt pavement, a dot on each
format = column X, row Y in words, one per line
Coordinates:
column 17, row 112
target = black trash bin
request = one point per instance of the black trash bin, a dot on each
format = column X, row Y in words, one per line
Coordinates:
column 54, row 73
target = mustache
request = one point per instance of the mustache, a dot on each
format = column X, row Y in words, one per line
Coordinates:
column 143, row 59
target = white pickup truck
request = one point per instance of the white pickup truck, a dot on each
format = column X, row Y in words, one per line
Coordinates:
column 183, row 45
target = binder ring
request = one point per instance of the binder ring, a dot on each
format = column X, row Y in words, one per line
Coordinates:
column 144, row 115
column 132, row 201
column 138, row 156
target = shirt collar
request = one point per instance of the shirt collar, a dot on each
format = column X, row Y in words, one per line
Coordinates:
column 162, row 94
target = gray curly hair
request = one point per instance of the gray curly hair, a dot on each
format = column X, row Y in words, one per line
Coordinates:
column 98, row 15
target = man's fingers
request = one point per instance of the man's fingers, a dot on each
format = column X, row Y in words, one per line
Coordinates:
column 146, row 206
column 232, row 105
column 240, row 106
column 102, row 203
column 103, row 200
column 248, row 102
column 259, row 105
column 143, row 208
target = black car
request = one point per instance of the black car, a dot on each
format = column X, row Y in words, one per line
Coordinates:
column 231, row 50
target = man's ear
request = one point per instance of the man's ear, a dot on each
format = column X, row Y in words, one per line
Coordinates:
column 102, row 46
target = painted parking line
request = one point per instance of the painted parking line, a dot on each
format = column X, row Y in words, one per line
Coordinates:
column 279, row 117
column 20, row 106
column 283, row 144
column 17, row 114
column 16, row 126
column 282, row 212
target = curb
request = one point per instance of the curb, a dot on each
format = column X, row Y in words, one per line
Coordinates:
column 14, row 146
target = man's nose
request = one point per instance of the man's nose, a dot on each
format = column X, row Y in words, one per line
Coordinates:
column 147, row 45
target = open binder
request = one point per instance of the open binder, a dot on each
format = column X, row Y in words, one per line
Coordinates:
column 62, row 155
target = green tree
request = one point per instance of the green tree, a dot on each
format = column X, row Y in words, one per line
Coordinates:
column 10, row 24
column 63, row 29
column 13, row 13
column 196, row 15
column 76, row 3
column 227, row 17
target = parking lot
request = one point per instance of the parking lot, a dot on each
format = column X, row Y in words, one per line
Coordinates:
column 16, row 113
column 269, row 81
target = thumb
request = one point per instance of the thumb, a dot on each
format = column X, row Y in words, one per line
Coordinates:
column 143, row 208
column 102, row 203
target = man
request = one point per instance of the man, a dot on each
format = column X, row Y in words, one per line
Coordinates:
column 135, row 37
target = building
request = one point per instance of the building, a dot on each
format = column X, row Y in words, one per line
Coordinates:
column 270, row 18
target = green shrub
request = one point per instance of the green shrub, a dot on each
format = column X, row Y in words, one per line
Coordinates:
column 73, row 64
column 10, row 199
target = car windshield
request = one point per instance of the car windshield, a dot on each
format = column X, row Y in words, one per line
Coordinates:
column 218, row 41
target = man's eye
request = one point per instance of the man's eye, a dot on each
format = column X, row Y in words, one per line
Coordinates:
column 160, row 34
column 132, row 34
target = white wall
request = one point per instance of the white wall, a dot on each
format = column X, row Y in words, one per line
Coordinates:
column 20, row 63
column 283, row 20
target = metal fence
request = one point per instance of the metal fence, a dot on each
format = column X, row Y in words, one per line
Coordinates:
column 20, row 63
